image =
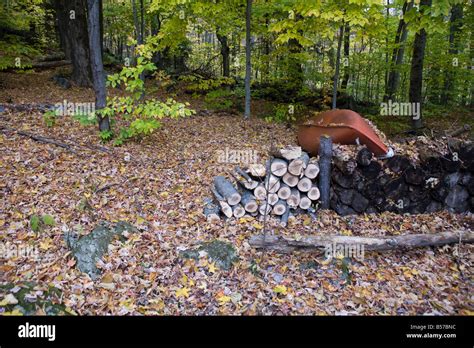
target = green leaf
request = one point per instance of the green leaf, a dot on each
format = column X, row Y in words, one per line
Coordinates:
column 35, row 223
column 48, row 220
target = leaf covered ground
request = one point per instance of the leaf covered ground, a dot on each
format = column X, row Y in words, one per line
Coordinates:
column 159, row 185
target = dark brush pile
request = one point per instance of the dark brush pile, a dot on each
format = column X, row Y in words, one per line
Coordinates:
column 401, row 185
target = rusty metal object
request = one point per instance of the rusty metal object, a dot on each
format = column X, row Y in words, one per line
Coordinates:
column 344, row 127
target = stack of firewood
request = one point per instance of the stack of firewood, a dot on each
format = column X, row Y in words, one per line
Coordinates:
column 287, row 183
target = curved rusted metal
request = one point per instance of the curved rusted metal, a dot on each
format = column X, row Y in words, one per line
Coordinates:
column 344, row 127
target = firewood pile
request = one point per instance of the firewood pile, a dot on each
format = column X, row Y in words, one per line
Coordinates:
column 288, row 183
column 436, row 178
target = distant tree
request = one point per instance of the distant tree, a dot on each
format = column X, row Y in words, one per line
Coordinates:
column 248, row 72
column 416, row 72
column 338, row 62
column 97, row 67
column 72, row 26
column 455, row 25
column 397, row 55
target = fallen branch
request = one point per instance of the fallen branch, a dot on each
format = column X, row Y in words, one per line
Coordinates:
column 40, row 138
column 50, row 64
column 52, row 141
column 318, row 243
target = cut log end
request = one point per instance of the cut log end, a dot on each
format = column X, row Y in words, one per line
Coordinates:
column 304, row 185
column 311, row 171
column 313, row 193
column 238, row 211
column 305, row 202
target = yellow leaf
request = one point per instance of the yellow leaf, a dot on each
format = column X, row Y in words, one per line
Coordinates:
column 8, row 300
column 212, row 267
column 280, row 289
column 183, row 292
column 307, row 221
column 326, row 261
column 164, row 194
column 46, row 244
column 140, row 220
column 13, row 312
column 257, row 226
column 346, row 232
column 108, row 278
column 184, row 279
column 223, row 299
column 70, row 311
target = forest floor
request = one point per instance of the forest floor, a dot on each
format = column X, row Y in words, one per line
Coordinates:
column 158, row 185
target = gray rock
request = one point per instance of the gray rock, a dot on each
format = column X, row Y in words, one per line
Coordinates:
column 90, row 248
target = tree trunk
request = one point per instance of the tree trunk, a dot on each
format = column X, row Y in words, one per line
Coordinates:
column 454, row 29
column 320, row 243
column 325, row 157
column 98, row 75
column 347, row 34
column 72, row 25
column 416, row 73
column 101, row 20
column 338, row 61
column 248, row 71
column 397, row 55
column 225, row 52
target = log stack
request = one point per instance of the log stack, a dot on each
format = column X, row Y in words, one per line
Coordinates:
column 290, row 183
column 401, row 185
column 287, row 184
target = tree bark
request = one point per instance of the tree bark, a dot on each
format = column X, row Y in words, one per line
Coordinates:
column 325, row 157
column 97, row 67
column 397, row 55
column 338, row 62
column 416, row 73
column 248, row 70
column 72, row 26
column 225, row 52
column 454, row 29
column 347, row 34
column 319, row 243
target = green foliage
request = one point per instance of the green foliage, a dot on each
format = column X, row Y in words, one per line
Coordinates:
column 86, row 119
column 48, row 220
column 37, row 222
column 219, row 99
column 17, row 49
column 49, row 118
column 199, row 85
column 286, row 113
column 140, row 116
column 106, row 135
